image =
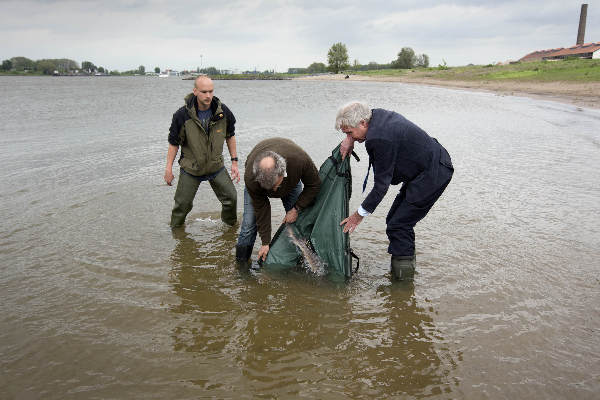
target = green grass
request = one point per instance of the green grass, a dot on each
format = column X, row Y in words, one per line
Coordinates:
column 570, row 70
column 22, row 73
column 575, row 70
column 514, row 75
column 257, row 76
column 382, row 72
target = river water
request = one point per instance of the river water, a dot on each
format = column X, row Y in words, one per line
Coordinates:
column 100, row 299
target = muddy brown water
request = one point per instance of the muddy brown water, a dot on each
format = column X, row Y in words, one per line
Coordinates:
column 101, row 300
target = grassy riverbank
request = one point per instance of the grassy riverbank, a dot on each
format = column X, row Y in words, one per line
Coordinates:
column 22, row 73
column 575, row 81
column 568, row 81
column 575, row 70
column 250, row 77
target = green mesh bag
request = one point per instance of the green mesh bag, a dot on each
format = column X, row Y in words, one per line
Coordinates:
column 319, row 224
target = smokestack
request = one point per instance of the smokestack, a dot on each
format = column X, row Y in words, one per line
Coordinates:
column 582, row 20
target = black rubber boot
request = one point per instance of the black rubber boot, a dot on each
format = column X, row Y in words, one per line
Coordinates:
column 403, row 268
column 242, row 253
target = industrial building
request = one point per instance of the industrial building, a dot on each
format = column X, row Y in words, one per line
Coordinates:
column 580, row 50
column 588, row 50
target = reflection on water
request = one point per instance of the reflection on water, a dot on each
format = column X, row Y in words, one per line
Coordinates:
column 290, row 333
column 101, row 299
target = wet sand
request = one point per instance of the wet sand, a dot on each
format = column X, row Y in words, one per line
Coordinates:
column 583, row 94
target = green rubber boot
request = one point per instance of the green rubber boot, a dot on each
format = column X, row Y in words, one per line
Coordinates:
column 227, row 195
column 403, row 268
column 187, row 186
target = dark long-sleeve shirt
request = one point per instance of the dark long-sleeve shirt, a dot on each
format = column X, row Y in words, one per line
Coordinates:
column 299, row 167
column 400, row 151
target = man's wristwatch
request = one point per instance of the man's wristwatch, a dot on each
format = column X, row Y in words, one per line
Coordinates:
column 234, row 158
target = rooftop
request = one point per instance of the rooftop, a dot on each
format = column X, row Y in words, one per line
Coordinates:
column 562, row 52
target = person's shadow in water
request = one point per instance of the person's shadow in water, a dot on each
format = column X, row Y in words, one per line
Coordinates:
column 204, row 276
column 255, row 333
column 412, row 358
column 200, row 260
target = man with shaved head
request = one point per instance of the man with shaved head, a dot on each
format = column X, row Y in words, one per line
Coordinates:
column 276, row 168
column 200, row 128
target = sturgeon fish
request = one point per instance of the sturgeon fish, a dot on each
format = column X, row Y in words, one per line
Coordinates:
column 310, row 257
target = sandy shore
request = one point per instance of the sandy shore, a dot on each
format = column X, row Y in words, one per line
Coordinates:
column 583, row 94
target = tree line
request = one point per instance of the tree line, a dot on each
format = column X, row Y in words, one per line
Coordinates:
column 61, row 66
column 64, row 66
column 337, row 58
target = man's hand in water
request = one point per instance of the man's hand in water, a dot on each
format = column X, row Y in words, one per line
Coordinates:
column 262, row 252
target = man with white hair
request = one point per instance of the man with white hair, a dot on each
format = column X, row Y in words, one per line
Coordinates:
column 399, row 152
column 275, row 168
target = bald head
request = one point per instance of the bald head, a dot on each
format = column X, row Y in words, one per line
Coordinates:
column 202, row 80
column 269, row 169
column 267, row 163
column 203, row 90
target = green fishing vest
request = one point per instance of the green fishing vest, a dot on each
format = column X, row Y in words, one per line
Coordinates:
column 201, row 151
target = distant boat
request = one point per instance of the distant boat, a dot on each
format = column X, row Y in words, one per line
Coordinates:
column 168, row 73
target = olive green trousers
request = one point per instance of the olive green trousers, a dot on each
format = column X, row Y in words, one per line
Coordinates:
column 186, row 191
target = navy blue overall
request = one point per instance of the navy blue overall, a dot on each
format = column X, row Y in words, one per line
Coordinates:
column 401, row 152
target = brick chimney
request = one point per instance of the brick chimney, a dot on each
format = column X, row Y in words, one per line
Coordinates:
column 582, row 21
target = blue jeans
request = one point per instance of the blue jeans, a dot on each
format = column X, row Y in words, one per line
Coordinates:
column 248, row 229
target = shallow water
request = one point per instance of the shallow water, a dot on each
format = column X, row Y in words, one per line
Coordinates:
column 102, row 300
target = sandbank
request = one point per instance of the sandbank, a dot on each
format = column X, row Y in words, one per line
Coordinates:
column 583, row 94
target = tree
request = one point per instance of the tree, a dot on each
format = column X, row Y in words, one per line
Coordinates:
column 47, row 67
column 376, row 66
column 6, row 65
column 157, row 70
column 64, row 65
column 101, row 70
column 337, row 57
column 141, row 69
column 406, row 59
column 88, row 66
column 296, row 70
column 316, row 68
column 22, row 63
column 423, row 61
column 210, row 71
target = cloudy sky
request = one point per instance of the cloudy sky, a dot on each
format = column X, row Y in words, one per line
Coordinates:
column 278, row 34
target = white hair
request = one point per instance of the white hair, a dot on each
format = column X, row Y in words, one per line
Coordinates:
column 267, row 177
column 351, row 114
